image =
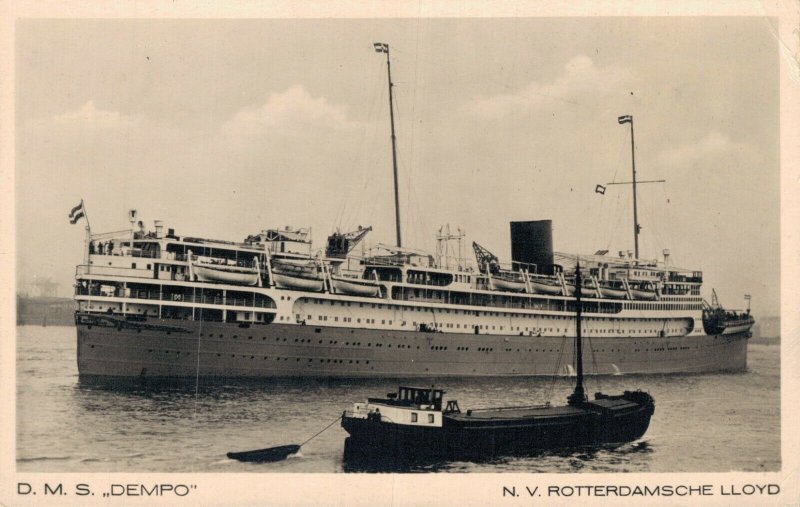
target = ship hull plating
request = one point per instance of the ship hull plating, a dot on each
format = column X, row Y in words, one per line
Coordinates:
column 170, row 348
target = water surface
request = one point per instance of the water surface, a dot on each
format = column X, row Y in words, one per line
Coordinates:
column 702, row 423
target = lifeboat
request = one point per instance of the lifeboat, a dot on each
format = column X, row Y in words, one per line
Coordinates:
column 297, row 274
column 222, row 273
column 544, row 286
column 718, row 321
column 508, row 283
column 297, row 282
column 354, row 286
column 612, row 292
column 739, row 325
column 648, row 295
column 644, row 290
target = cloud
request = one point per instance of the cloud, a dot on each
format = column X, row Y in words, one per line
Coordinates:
column 713, row 145
column 580, row 82
column 291, row 111
column 100, row 130
column 90, row 115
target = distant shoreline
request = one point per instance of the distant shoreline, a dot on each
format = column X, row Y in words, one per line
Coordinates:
column 45, row 311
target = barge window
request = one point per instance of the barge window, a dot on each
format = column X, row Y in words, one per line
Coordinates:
column 413, row 417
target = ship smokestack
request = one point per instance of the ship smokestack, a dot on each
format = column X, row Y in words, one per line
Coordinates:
column 159, row 228
column 532, row 243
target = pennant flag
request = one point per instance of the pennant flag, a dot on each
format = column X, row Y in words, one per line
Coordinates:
column 600, row 189
column 77, row 213
column 625, row 119
column 380, row 47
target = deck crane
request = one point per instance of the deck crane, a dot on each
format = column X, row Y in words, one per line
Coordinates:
column 487, row 261
column 341, row 244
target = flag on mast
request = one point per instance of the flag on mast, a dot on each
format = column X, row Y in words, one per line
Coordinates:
column 625, row 119
column 380, row 47
column 747, row 297
column 77, row 213
column 600, row 189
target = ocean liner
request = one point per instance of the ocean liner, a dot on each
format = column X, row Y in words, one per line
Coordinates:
column 159, row 304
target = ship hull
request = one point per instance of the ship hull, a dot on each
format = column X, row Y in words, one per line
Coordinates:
column 170, row 347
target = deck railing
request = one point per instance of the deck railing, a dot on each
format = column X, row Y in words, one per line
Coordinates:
column 170, row 297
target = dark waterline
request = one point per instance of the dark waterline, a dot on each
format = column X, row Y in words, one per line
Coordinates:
column 702, row 423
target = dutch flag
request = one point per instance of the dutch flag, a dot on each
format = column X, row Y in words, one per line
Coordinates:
column 77, row 213
column 625, row 119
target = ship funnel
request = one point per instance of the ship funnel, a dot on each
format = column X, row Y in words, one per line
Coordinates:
column 532, row 243
column 159, row 228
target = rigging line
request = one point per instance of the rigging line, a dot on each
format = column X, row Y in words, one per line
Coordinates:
column 662, row 235
column 620, row 217
column 320, row 431
column 594, row 359
column 549, row 390
column 649, row 215
column 615, row 218
column 412, row 161
column 361, row 159
column 408, row 214
column 606, row 211
column 197, row 366
column 405, row 175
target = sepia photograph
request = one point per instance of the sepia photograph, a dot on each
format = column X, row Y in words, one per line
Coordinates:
column 403, row 245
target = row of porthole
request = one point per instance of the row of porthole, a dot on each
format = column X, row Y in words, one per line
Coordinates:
column 310, row 360
column 480, row 349
column 297, row 359
column 659, row 349
column 177, row 352
column 485, row 327
column 330, row 342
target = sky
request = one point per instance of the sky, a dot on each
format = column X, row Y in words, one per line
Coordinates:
column 222, row 128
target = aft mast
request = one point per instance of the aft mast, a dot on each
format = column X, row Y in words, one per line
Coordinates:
column 600, row 189
column 636, row 227
column 381, row 47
